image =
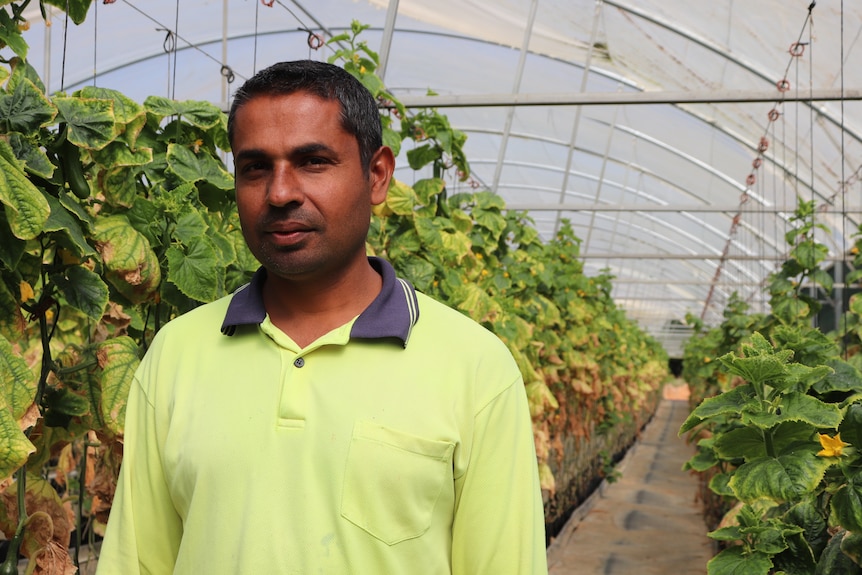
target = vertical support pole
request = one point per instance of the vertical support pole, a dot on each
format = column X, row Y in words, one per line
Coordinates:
column 519, row 75
column 386, row 41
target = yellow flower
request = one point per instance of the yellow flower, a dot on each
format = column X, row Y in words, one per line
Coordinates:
column 26, row 291
column 832, row 446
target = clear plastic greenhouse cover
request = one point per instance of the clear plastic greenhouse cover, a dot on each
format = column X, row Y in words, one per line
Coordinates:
column 675, row 135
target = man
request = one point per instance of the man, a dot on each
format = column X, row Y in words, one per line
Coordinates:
column 326, row 418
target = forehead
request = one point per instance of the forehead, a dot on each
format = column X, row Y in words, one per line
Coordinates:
column 300, row 103
column 286, row 114
column 291, row 126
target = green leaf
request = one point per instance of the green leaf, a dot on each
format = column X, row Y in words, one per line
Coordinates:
column 15, row 448
column 822, row 278
column 743, row 442
column 419, row 271
column 757, row 369
column 809, row 254
column 77, row 9
column 732, row 533
column 190, row 226
column 90, row 123
column 117, row 154
column 456, row 245
column 847, row 505
column 84, row 290
column 844, row 377
column 478, row 304
column 428, row 188
column 12, row 323
column 808, row 515
column 392, row 140
column 735, row 561
column 735, row 401
column 203, row 115
column 490, row 220
column 833, row 561
column 120, row 187
column 34, row 158
column 118, row 359
column 489, row 200
column 798, row 407
column 11, row 248
column 401, row 198
column 62, row 221
column 125, row 109
column 797, row 559
column 26, row 207
column 851, row 545
column 801, row 377
column 18, row 383
column 851, row 426
column 10, row 35
column 132, row 266
column 63, row 402
column 26, row 109
column 193, row 167
column 196, row 272
column 421, row 156
column 719, row 485
column 704, row 459
column 790, row 309
column 787, row 477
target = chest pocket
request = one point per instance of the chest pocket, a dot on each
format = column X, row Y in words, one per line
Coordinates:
column 393, row 481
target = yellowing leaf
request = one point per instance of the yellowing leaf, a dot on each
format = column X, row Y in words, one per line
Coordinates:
column 832, row 446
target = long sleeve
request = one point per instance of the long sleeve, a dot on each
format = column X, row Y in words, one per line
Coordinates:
column 144, row 530
column 499, row 524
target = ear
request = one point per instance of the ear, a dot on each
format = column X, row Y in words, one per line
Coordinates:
column 380, row 173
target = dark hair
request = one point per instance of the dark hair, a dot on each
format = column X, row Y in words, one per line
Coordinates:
column 359, row 115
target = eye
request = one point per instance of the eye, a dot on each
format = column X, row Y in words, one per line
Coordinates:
column 316, row 161
column 252, row 167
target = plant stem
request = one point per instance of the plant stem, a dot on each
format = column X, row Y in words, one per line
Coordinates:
column 767, row 439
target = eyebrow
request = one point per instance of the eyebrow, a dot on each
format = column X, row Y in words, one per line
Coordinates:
column 257, row 153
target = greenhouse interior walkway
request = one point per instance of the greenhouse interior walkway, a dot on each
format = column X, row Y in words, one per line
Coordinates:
column 648, row 522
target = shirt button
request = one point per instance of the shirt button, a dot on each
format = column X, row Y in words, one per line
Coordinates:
column 299, row 362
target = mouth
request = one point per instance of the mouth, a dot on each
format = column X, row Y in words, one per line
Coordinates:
column 288, row 234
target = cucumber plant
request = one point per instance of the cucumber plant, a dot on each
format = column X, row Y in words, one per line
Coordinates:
column 783, row 425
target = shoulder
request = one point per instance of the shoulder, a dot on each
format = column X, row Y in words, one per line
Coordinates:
column 198, row 325
column 456, row 332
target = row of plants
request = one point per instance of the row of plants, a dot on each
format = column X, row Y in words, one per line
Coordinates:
column 778, row 422
column 117, row 216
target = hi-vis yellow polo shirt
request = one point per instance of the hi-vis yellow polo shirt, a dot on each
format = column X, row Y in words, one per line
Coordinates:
column 398, row 444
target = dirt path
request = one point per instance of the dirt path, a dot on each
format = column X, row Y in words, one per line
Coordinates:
column 647, row 523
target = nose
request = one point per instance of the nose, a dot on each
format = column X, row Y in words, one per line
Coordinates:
column 284, row 187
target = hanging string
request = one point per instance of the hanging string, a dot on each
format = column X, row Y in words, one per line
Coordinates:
column 65, row 37
column 256, row 20
column 172, row 38
column 783, row 86
column 95, row 40
column 175, row 52
column 812, row 287
column 840, row 299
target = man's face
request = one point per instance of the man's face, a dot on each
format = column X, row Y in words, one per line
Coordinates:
column 304, row 200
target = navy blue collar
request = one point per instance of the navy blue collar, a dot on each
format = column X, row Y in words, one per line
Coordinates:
column 392, row 314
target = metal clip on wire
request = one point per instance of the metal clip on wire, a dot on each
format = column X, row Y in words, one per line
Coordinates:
column 227, row 73
column 315, row 41
column 170, row 43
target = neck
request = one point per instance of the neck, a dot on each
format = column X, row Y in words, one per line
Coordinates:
column 306, row 309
